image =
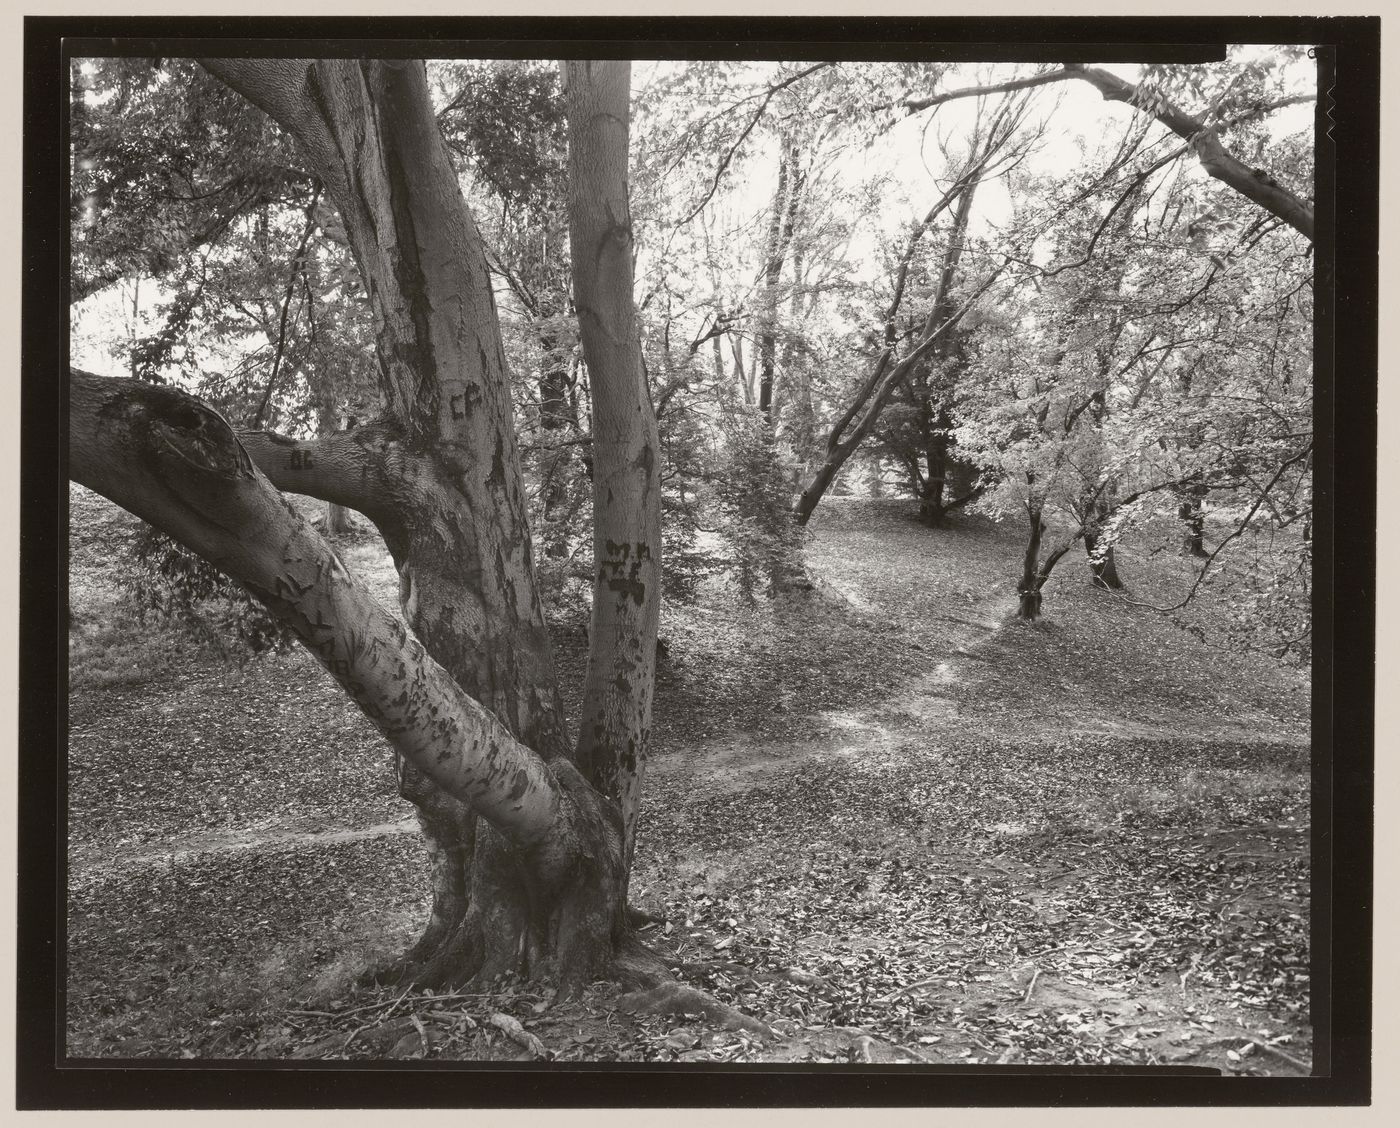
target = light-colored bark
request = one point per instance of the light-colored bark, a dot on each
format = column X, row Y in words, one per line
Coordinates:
column 177, row 464
column 364, row 469
column 615, row 727
column 456, row 519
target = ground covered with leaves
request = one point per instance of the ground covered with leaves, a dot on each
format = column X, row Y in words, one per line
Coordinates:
column 885, row 822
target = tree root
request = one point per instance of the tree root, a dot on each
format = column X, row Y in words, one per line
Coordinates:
column 640, row 918
column 674, row 998
column 784, row 975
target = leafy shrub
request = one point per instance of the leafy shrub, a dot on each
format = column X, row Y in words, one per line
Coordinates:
column 173, row 586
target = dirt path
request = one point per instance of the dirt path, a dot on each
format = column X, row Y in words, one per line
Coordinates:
column 88, row 868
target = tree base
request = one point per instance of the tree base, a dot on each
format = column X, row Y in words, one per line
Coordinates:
column 552, row 913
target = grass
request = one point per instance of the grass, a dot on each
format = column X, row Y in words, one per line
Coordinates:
column 887, row 784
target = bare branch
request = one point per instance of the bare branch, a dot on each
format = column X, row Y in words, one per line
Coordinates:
column 733, row 149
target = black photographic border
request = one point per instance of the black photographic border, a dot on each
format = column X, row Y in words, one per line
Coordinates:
column 1347, row 203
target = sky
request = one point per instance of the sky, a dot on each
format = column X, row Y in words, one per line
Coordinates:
column 1076, row 115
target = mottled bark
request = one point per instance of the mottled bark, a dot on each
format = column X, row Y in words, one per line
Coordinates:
column 615, row 726
column 446, row 464
column 548, row 899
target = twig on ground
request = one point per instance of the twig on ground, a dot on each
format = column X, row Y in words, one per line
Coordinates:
column 911, row 987
column 1031, row 987
column 1297, row 1062
column 422, row 1032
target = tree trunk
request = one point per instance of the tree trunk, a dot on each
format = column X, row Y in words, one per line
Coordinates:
column 1102, row 566
column 875, row 392
column 545, row 895
column 557, row 416
column 1029, row 588
column 337, row 516
column 932, row 508
column 615, row 727
column 444, row 462
column 1193, row 518
column 1035, row 571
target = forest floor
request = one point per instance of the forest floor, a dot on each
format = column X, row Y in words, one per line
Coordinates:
column 888, row 821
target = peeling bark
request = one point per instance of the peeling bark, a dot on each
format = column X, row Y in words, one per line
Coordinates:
column 440, row 476
column 615, row 727
column 545, row 893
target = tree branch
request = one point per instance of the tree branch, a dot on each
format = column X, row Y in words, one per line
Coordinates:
column 297, row 259
column 176, row 463
column 733, row 149
column 352, row 468
column 1255, row 184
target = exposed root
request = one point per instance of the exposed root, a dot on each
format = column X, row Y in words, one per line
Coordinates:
column 640, row 918
column 512, row 1029
column 674, row 998
column 755, row 975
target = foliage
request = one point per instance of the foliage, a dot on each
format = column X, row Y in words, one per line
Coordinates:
column 171, row 585
column 754, row 502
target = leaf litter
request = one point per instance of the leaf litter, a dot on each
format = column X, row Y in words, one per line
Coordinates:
column 903, row 829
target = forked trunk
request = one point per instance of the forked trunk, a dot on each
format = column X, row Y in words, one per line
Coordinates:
column 1029, row 587
column 442, row 469
column 546, row 886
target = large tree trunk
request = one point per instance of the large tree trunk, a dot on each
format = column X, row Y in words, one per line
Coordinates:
column 453, row 510
column 176, row 463
column 615, row 727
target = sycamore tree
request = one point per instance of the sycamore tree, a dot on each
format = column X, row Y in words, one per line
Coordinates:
column 530, row 831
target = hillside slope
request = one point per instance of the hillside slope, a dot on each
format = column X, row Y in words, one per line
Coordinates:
column 973, row 839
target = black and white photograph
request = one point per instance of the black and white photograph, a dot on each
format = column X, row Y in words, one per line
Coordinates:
column 708, row 558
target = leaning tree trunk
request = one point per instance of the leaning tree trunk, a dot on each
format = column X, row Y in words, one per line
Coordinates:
column 177, row 464
column 441, row 472
column 848, row 432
